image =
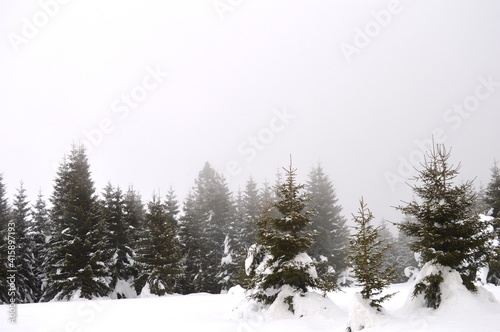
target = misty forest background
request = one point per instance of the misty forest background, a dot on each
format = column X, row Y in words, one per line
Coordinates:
column 83, row 243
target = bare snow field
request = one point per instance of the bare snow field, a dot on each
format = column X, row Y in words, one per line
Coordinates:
column 460, row 311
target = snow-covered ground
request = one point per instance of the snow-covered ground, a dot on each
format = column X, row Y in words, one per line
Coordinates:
column 205, row 312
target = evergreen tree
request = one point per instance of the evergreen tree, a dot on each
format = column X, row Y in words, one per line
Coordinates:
column 119, row 254
column 207, row 215
column 367, row 250
column 133, row 216
column 493, row 191
column 405, row 258
column 160, row 252
column 39, row 234
column 190, row 234
column 446, row 230
column 492, row 200
column 5, row 218
column 76, row 254
column 330, row 241
column 248, row 210
column 26, row 282
column 286, row 238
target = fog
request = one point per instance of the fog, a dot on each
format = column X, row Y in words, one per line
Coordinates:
column 154, row 89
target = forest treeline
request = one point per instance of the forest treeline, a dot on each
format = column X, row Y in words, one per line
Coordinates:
column 85, row 243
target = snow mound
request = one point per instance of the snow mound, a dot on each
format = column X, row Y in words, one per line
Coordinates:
column 310, row 304
column 123, row 289
column 454, row 295
column 362, row 315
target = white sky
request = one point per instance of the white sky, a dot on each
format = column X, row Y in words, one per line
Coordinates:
column 230, row 72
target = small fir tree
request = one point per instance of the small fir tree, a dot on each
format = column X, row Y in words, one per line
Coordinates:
column 366, row 256
column 285, row 238
column 446, row 230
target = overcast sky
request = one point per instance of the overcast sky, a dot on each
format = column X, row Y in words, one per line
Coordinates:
column 157, row 88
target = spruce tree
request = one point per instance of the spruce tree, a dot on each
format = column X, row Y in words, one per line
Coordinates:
column 40, row 233
column 248, row 210
column 160, row 252
column 119, row 254
column 133, row 216
column 76, row 265
column 493, row 191
column 286, row 238
column 330, row 242
column 446, row 230
column 204, row 227
column 5, row 217
column 366, row 256
column 26, row 282
column 492, row 200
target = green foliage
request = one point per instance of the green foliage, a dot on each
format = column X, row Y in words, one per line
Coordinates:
column 26, row 282
column 76, row 255
column 431, row 287
column 160, row 251
column 5, row 217
column 118, row 238
column 445, row 228
column 208, row 211
column 366, row 257
column 329, row 226
column 284, row 237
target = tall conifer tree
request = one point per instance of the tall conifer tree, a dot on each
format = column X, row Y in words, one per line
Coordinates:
column 204, row 227
column 76, row 264
column 40, row 233
column 329, row 248
column 5, row 217
column 160, row 253
column 26, row 283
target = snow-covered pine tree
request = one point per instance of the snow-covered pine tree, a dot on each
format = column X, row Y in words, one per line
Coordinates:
column 119, row 254
column 446, row 230
column 492, row 192
column 248, row 210
column 75, row 264
column 5, row 217
column 39, row 233
column 204, row 226
column 366, row 256
column 285, row 237
column 492, row 200
column 160, row 252
column 329, row 246
column 133, row 216
column 26, row 281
